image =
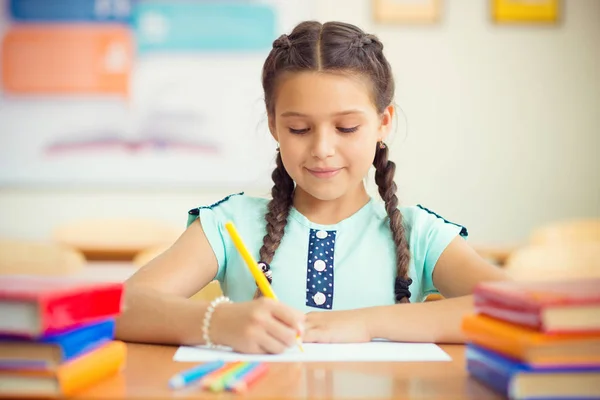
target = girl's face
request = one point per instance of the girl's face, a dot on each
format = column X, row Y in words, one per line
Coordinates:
column 327, row 127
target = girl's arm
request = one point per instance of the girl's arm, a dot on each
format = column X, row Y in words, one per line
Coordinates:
column 456, row 273
column 157, row 307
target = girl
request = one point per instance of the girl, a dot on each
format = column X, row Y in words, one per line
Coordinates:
column 325, row 244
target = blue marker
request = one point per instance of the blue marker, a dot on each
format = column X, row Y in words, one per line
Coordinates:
column 184, row 378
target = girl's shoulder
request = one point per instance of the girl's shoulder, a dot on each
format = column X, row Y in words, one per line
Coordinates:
column 233, row 207
column 418, row 218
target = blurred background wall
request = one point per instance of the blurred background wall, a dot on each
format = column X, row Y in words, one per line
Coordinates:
column 499, row 126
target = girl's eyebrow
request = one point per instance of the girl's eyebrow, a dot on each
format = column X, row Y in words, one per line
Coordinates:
column 297, row 114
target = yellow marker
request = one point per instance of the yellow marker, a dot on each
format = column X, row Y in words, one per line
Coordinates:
column 257, row 274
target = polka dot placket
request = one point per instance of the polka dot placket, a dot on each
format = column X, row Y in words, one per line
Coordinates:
column 319, row 271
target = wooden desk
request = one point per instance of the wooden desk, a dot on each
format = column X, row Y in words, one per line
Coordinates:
column 150, row 367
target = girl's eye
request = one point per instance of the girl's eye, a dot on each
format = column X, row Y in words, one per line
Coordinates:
column 348, row 130
column 298, row 131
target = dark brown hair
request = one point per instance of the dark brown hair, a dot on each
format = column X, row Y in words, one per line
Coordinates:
column 343, row 48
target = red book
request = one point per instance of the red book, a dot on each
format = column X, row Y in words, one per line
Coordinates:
column 38, row 306
column 571, row 306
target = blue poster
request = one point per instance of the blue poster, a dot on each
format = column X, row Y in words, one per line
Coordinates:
column 186, row 26
column 70, row 10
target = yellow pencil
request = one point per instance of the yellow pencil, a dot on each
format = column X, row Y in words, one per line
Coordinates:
column 257, row 274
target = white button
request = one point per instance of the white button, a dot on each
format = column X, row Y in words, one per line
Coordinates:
column 321, row 234
column 320, row 265
column 319, row 298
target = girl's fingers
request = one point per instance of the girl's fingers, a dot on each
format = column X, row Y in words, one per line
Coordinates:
column 314, row 335
column 281, row 332
column 271, row 345
column 289, row 316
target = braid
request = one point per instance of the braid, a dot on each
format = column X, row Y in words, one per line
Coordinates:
column 277, row 214
column 384, row 177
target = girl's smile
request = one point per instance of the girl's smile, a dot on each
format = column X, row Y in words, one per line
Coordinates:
column 324, row 173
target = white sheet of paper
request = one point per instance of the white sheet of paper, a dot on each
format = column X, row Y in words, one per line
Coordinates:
column 372, row 351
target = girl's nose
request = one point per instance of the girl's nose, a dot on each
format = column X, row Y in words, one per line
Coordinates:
column 323, row 144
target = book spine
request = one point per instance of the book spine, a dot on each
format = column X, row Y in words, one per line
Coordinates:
column 488, row 376
column 520, row 317
column 487, row 371
column 61, row 313
column 512, row 300
column 86, row 339
column 494, row 335
column 92, row 367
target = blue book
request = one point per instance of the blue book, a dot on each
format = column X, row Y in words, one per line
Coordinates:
column 518, row 380
column 70, row 10
column 49, row 352
column 203, row 26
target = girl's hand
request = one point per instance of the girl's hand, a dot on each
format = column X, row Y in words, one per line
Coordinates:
column 335, row 327
column 258, row 326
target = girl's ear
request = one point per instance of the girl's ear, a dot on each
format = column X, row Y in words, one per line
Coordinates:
column 387, row 119
column 272, row 128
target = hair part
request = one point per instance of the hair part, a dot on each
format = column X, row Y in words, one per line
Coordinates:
column 335, row 47
column 330, row 47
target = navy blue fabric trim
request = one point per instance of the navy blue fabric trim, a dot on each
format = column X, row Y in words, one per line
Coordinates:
column 196, row 211
column 319, row 269
column 463, row 230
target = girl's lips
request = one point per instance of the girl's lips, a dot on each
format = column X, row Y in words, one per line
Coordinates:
column 324, row 173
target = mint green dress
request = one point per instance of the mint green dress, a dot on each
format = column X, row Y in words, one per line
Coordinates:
column 344, row 266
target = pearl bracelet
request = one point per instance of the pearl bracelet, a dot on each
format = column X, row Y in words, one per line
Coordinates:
column 207, row 317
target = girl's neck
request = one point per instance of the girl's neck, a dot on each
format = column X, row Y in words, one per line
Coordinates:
column 330, row 212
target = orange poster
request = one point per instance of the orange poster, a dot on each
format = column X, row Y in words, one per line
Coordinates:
column 66, row 59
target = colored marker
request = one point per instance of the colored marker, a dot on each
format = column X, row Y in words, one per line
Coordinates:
column 244, row 382
column 220, row 384
column 216, row 375
column 261, row 281
column 240, row 375
column 184, row 378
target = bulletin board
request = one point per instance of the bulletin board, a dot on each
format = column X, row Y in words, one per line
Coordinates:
column 125, row 93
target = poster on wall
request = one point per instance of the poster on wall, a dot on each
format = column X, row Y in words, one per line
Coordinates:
column 407, row 11
column 124, row 93
column 524, row 11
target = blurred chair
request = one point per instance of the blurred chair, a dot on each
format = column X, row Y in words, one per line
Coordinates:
column 145, row 256
column 583, row 230
column 38, row 258
column 555, row 262
column 209, row 292
column 495, row 254
column 114, row 239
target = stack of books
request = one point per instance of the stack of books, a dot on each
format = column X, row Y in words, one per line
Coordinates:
column 57, row 335
column 536, row 339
